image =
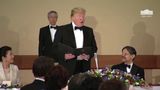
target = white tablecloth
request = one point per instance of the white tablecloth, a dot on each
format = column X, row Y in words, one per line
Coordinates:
column 145, row 88
column 131, row 88
column 10, row 89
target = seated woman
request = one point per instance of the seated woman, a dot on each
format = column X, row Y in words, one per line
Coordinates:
column 8, row 71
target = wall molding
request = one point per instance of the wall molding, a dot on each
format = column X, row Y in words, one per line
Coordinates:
column 145, row 61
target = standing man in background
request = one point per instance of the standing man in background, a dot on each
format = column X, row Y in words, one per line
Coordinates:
column 78, row 37
column 48, row 36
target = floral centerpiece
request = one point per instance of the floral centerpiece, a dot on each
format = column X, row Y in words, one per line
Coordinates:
column 108, row 74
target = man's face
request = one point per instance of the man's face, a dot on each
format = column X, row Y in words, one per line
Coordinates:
column 78, row 19
column 126, row 56
column 52, row 18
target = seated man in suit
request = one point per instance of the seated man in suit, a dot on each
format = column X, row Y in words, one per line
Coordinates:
column 77, row 36
column 48, row 36
column 41, row 67
column 128, row 56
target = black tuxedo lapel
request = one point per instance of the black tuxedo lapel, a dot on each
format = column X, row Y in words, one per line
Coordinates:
column 134, row 70
column 71, row 33
column 137, row 71
column 120, row 66
column 85, row 37
column 49, row 35
column 124, row 67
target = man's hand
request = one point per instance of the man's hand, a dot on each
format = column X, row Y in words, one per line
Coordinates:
column 83, row 57
column 86, row 57
column 69, row 56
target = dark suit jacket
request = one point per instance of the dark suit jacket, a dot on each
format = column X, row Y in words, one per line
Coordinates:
column 135, row 70
column 46, row 46
column 67, row 37
column 35, row 85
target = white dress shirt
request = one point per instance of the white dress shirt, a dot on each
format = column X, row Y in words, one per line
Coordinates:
column 78, row 36
column 129, row 69
column 53, row 32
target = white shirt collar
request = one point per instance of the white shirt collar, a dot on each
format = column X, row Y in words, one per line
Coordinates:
column 74, row 25
column 41, row 79
column 131, row 64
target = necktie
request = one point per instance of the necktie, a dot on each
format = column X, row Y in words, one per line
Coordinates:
column 53, row 27
column 80, row 28
column 129, row 66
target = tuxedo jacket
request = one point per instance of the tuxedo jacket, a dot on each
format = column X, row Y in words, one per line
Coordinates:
column 14, row 74
column 46, row 46
column 135, row 70
column 35, row 85
column 67, row 37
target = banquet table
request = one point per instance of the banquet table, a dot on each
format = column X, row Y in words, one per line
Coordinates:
column 9, row 88
column 131, row 88
column 145, row 88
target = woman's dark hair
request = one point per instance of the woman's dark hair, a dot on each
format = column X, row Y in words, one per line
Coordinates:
column 113, row 85
column 84, row 81
column 76, row 81
column 3, row 51
column 57, row 78
column 42, row 65
column 91, row 83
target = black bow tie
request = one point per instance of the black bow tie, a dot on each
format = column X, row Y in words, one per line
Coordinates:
column 129, row 66
column 80, row 28
column 53, row 27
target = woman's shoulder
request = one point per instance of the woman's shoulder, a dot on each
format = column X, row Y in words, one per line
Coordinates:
column 1, row 68
column 13, row 66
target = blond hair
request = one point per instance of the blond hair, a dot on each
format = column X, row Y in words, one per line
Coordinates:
column 77, row 10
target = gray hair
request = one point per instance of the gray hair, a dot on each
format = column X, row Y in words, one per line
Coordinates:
column 53, row 12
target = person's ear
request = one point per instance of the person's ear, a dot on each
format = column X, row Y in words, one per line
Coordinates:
column 3, row 58
column 133, row 56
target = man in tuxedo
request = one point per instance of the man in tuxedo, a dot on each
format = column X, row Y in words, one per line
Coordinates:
column 41, row 67
column 77, row 36
column 128, row 56
column 48, row 36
